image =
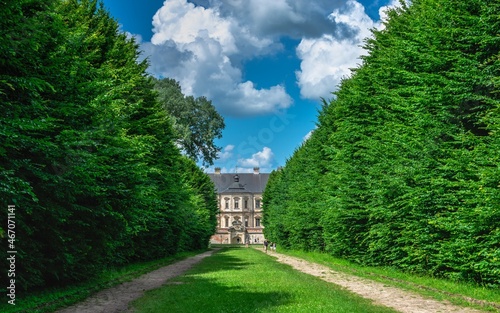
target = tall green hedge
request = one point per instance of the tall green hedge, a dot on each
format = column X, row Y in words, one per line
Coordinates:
column 403, row 168
column 86, row 152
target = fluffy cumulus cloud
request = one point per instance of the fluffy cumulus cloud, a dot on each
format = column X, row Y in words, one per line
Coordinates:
column 261, row 159
column 184, row 23
column 391, row 5
column 294, row 18
column 202, row 50
column 226, row 154
column 326, row 60
column 329, row 59
column 204, row 43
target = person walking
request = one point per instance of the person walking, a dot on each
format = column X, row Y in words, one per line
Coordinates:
column 265, row 245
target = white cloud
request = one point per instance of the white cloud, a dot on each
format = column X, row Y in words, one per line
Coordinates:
column 226, row 153
column 307, row 136
column 203, row 44
column 136, row 37
column 328, row 59
column 296, row 19
column 251, row 101
column 261, row 159
column 325, row 62
column 199, row 48
column 383, row 11
column 184, row 23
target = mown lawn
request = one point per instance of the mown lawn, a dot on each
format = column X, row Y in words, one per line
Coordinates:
column 459, row 293
column 246, row 280
column 51, row 299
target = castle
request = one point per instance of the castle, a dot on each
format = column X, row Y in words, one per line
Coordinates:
column 239, row 196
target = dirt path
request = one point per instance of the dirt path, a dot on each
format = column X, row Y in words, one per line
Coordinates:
column 116, row 299
column 400, row 300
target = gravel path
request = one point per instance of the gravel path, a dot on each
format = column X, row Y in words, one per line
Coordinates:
column 400, row 300
column 116, row 299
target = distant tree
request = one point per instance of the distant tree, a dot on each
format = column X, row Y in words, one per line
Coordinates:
column 196, row 122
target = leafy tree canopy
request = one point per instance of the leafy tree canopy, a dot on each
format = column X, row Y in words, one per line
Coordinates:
column 195, row 120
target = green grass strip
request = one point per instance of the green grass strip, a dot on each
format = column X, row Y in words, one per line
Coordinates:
column 247, row 280
column 459, row 293
column 51, row 299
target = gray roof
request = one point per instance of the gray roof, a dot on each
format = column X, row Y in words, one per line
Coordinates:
column 244, row 182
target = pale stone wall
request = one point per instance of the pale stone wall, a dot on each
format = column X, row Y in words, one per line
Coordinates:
column 245, row 208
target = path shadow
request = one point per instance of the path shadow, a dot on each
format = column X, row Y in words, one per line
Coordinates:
column 194, row 292
column 216, row 298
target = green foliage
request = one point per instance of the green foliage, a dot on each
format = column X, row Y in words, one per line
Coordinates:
column 88, row 154
column 195, row 121
column 288, row 189
column 200, row 211
column 52, row 299
column 407, row 169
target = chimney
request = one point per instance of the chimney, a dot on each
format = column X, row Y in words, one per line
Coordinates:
column 217, row 170
column 256, row 170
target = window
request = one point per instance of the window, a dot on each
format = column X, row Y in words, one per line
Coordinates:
column 257, row 203
column 246, row 203
column 246, row 221
column 257, row 222
column 236, row 203
column 227, row 203
column 227, row 221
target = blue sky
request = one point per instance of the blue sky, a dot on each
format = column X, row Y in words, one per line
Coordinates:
column 264, row 64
